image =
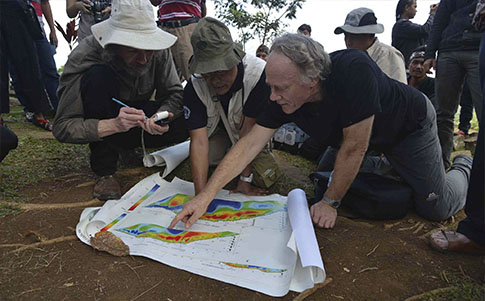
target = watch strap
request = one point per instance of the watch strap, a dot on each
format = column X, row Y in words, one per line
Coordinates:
column 333, row 203
column 247, row 179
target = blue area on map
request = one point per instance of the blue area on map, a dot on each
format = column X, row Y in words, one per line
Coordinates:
column 218, row 204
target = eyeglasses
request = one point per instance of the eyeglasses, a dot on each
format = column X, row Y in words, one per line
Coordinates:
column 216, row 74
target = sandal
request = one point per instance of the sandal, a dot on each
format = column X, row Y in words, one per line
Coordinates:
column 42, row 123
column 444, row 241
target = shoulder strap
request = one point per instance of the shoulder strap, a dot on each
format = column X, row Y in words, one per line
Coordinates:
column 225, row 122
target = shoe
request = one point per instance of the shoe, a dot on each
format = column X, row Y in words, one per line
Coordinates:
column 42, row 123
column 460, row 132
column 451, row 241
column 107, row 188
column 29, row 116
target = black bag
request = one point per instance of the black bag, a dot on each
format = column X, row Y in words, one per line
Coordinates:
column 370, row 196
column 31, row 21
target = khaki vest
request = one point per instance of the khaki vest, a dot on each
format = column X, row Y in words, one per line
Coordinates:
column 253, row 68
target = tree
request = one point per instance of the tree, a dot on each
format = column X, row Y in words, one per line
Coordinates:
column 265, row 22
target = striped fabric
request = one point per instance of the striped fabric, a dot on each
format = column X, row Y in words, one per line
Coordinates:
column 179, row 9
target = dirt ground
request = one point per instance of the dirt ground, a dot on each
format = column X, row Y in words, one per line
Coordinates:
column 366, row 260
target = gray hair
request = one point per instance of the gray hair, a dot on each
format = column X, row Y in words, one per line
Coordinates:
column 308, row 55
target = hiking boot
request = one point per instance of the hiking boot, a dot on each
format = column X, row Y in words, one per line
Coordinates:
column 107, row 188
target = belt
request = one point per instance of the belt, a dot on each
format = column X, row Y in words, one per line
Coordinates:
column 179, row 23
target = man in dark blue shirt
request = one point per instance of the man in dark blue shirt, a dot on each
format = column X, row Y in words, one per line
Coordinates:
column 345, row 100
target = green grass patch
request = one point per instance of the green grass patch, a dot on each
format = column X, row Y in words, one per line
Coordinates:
column 35, row 159
column 458, row 287
column 37, row 156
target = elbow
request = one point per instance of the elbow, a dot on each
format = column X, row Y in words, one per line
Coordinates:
column 58, row 133
column 71, row 13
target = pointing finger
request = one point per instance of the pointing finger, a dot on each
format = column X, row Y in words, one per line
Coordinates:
column 177, row 219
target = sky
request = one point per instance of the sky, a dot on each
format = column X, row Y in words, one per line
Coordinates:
column 322, row 15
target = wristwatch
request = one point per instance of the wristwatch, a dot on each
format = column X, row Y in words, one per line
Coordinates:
column 246, row 179
column 333, row 203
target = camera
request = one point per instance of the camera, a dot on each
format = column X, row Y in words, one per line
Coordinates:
column 96, row 7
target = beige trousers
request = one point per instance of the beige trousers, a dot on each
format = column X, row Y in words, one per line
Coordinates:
column 182, row 49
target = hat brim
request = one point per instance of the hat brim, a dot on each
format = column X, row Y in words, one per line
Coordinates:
column 217, row 64
column 366, row 29
column 155, row 39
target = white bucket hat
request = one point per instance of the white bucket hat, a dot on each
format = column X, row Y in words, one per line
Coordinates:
column 132, row 24
column 360, row 21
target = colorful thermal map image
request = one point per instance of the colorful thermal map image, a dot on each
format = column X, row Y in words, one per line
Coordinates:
column 254, row 267
column 223, row 210
column 171, row 235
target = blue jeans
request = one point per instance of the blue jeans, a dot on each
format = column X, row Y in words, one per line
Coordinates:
column 17, row 47
column 473, row 226
column 451, row 70
column 48, row 73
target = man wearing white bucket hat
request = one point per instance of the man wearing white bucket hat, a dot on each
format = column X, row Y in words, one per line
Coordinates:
column 127, row 58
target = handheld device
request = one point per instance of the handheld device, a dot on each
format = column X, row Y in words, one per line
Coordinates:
column 161, row 118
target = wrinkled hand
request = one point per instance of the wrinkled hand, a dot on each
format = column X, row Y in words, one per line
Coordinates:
column 249, row 189
column 191, row 212
column 129, row 118
column 428, row 64
column 323, row 215
column 107, row 11
column 154, row 129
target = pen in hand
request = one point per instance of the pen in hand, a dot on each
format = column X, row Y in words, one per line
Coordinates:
column 122, row 104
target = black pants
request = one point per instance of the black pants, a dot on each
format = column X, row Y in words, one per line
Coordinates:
column 98, row 85
column 17, row 46
column 8, row 141
column 473, row 226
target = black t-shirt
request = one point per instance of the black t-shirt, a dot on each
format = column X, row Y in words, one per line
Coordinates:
column 196, row 111
column 355, row 90
column 427, row 87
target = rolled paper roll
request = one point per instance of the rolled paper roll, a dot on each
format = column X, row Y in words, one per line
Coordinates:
column 160, row 116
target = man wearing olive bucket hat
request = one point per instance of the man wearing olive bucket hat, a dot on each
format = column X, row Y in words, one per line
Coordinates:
column 126, row 58
column 222, row 100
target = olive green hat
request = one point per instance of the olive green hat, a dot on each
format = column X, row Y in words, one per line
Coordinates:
column 214, row 49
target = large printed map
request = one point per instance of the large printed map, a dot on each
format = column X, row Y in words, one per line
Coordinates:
column 242, row 240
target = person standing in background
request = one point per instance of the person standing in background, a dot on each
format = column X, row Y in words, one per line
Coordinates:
column 305, row 30
column 262, row 52
column 19, row 28
column 457, row 42
column 360, row 29
column 179, row 17
column 406, row 35
column 45, row 58
column 90, row 13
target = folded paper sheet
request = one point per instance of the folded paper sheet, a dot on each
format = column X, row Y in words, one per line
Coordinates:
column 262, row 243
column 169, row 157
